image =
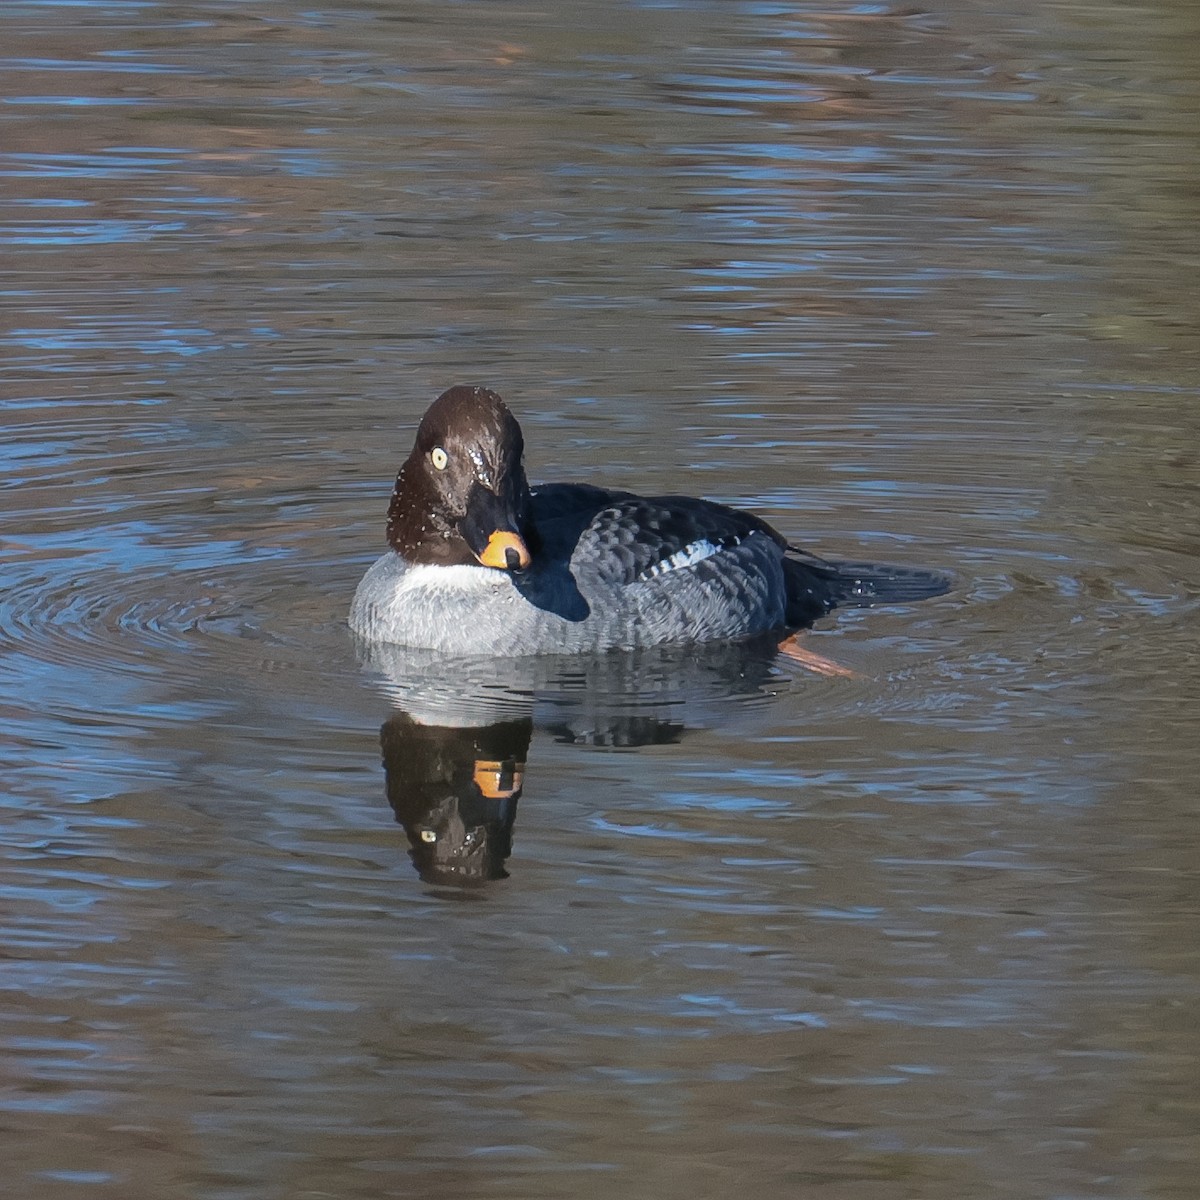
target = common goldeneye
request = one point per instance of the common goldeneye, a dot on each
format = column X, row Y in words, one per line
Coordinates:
column 481, row 564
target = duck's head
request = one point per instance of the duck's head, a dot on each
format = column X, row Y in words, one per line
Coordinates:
column 461, row 496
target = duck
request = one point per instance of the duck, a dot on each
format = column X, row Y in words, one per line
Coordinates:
column 482, row 565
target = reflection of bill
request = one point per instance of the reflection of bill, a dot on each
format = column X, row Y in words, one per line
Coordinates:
column 455, row 791
column 499, row 780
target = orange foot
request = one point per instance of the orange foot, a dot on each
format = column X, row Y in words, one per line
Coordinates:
column 810, row 660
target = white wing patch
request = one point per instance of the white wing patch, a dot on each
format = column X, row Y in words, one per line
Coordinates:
column 691, row 554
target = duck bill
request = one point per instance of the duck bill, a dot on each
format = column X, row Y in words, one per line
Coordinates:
column 491, row 529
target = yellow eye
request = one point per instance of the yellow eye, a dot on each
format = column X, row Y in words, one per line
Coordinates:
column 439, row 458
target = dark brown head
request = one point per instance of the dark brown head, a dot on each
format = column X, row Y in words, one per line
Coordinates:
column 461, row 496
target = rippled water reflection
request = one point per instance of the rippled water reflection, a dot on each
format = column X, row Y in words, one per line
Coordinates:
column 916, row 286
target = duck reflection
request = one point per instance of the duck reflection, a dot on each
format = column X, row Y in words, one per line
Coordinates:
column 455, row 791
column 456, row 744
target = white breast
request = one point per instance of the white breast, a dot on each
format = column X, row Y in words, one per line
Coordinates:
column 437, row 607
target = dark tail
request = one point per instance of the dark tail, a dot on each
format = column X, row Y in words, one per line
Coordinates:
column 817, row 585
column 861, row 584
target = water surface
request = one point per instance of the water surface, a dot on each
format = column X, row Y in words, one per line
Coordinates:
column 914, row 285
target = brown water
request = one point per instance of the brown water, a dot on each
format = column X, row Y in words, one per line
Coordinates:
column 915, row 285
